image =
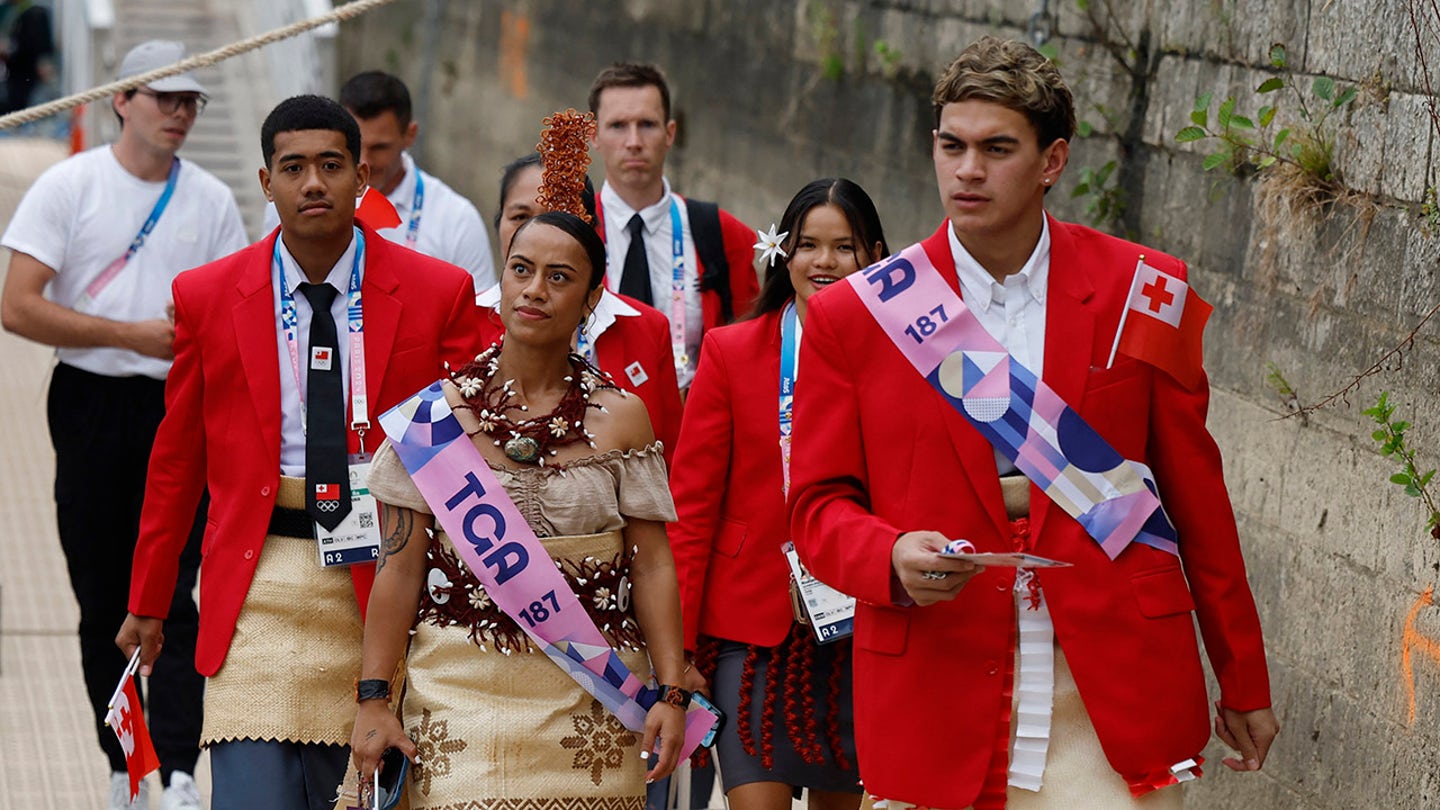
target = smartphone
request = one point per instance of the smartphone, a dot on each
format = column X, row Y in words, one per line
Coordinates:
column 390, row 779
column 714, row 732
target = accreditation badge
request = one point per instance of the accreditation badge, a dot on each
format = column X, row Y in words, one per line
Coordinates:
column 357, row 538
column 830, row 613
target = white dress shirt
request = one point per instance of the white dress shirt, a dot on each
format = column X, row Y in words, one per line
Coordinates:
column 293, row 390
column 1013, row 312
column 660, row 254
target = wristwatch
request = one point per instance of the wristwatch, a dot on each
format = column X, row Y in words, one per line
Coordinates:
column 674, row 695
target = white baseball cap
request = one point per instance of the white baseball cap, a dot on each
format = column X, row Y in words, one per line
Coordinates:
column 159, row 53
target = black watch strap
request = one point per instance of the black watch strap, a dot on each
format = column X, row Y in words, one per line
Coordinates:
column 673, row 695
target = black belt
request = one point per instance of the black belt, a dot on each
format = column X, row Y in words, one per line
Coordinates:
column 291, row 523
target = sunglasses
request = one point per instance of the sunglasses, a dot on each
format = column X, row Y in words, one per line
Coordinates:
column 170, row 102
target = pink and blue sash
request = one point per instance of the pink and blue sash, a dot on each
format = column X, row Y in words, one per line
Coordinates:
column 501, row 550
column 1115, row 499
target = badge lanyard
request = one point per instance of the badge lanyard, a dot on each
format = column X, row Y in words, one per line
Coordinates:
column 830, row 613
column 789, row 351
column 289, row 318
column 584, row 346
column 677, row 287
column 412, row 233
column 94, row 288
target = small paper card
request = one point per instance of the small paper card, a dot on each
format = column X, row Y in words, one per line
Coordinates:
column 1015, row 559
column 965, row 550
column 357, row 538
column 832, row 613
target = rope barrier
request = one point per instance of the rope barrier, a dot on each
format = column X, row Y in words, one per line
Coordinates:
column 340, row 14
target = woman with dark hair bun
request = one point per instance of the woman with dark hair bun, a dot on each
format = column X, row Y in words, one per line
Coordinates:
column 494, row 709
column 627, row 339
column 787, row 697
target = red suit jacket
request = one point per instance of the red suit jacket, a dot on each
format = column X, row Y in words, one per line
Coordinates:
column 222, row 417
column 877, row 453
column 739, row 254
column 726, row 480
column 643, row 339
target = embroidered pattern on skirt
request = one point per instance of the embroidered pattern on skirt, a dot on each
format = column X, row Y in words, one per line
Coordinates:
column 432, row 737
column 599, row 742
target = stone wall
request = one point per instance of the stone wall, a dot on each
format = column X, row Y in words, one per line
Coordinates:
column 770, row 96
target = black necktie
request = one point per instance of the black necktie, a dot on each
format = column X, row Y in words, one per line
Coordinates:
column 327, row 471
column 635, row 278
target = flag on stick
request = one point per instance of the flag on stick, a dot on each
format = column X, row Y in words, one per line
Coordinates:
column 1164, row 325
column 376, row 211
column 127, row 720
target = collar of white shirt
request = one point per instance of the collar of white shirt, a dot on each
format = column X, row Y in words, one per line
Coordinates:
column 338, row 277
column 610, row 308
column 404, row 194
column 981, row 289
column 618, row 212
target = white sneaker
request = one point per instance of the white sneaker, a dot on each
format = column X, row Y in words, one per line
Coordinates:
column 182, row 793
column 120, row 793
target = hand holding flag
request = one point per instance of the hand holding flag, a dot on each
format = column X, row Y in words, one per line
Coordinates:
column 1163, row 325
column 127, row 720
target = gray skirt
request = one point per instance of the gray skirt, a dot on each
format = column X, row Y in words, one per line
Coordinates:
column 810, row 714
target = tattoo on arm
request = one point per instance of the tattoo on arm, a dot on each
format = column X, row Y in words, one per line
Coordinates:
column 398, row 523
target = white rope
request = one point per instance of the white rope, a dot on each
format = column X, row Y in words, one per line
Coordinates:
column 345, row 12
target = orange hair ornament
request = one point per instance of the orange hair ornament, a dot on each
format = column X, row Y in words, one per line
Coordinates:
column 565, row 155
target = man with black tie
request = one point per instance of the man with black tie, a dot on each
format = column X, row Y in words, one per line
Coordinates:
column 691, row 260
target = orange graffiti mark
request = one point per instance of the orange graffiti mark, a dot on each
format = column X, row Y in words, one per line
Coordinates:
column 1413, row 640
column 514, row 45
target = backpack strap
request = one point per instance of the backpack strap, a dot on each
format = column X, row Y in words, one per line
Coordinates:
column 710, row 249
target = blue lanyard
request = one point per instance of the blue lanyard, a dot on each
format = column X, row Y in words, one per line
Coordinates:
column 677, row 287
column 412, row 235
column 584, row 346
column 155, row 213
column 93, row 289
column 789, row 351
column 290, row 319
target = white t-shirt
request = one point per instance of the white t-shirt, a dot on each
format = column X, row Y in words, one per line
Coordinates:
column 82, row 214
column 660, row 254
column 450, row 228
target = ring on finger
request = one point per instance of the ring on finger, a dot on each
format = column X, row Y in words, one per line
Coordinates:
column 934, row 576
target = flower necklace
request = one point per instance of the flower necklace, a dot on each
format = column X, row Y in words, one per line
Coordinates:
column 528, row 441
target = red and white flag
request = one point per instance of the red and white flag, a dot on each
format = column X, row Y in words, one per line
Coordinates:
column 327, row 492
column 1163, row 325
column 376, row 210
column 127, row 720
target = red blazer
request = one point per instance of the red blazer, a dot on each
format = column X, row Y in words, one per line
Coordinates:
column 222, row 413
column 726, row 480
column 877, row 453
column 739, row 243
column 643, row 339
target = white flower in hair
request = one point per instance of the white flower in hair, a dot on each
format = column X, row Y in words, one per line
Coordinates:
column 769, row 245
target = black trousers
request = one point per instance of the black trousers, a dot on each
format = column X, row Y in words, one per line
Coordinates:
column 102, row 429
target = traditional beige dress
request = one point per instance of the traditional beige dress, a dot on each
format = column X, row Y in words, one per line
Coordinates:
column 497, row 723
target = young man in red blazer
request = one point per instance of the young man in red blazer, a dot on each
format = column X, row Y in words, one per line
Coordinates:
column 886, row 472
column 280, row 634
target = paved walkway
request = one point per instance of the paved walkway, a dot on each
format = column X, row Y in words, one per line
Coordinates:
column 49, row 759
